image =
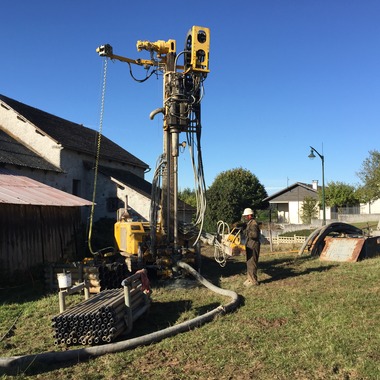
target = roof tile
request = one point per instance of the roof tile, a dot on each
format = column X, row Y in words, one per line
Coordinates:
column 72, row 135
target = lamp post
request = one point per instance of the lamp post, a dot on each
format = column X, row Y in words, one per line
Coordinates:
column 311, row 156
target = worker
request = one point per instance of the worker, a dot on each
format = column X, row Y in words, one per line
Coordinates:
column 252, row 246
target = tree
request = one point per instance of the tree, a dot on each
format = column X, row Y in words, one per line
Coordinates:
column 188, row 196
column 230, row 193
column 309, row 210
column 370, row 176
column 340, row 194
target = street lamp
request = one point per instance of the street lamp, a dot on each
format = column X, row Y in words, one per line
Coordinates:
column 312, row 156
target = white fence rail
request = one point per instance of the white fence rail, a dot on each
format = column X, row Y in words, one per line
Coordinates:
column 288, row 239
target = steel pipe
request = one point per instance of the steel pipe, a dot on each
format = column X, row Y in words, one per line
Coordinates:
column 18, row 364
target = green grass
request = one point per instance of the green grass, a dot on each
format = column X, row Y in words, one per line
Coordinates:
column 366, row 225
column 308, row 320
column 305, row 232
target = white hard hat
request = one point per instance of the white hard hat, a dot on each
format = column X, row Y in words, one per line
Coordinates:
column 247, row 211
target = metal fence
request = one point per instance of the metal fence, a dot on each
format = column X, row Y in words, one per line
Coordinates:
column 352, row 210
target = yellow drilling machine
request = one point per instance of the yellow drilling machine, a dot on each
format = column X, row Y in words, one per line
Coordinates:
column 163, row 244
column 159, row 243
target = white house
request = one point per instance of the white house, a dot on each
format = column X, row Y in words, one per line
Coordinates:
column 288, row 202
column 61, row 154
column 370, row 208
column 64, row 157
column 288, row 205
column 47, row 184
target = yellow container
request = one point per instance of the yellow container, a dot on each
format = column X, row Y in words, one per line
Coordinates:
column 129, row 235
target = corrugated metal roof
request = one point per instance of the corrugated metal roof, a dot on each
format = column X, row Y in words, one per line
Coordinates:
column 16, row 189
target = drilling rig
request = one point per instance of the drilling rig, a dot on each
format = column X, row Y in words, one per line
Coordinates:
column 161, row 242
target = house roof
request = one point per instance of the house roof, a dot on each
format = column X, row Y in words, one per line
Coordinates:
column 15, row 153
column 71, row 135
column 294, row 192
column 21, row 190
column 135, row 182
column 132, row 180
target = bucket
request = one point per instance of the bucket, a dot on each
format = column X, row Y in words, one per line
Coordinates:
column 64, row 280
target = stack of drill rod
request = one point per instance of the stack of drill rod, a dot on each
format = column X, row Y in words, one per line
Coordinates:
column 100, row 319
column 97, row 276
column 105, row 276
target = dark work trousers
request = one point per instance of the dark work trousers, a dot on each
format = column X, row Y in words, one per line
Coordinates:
column 252, row 262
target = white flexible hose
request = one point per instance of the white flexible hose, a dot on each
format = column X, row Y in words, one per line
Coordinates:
column 20, row 364
column 223, row 229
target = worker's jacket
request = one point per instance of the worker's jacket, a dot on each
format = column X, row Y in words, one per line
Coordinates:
column 252, row 234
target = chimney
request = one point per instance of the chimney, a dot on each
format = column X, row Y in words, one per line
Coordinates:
column 315, row 184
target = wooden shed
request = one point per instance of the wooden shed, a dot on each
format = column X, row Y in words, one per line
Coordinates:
column 38, row 225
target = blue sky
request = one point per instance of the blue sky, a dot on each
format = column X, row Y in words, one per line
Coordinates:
column 285, row 75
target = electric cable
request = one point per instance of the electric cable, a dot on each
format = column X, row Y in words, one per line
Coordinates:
column 140, row 80
column 176, row 58
column 198, row 172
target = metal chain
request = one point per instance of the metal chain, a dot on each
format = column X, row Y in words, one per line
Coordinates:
column 97, row 154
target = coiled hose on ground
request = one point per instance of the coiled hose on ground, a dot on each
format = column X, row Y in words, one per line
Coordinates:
column 19, row 364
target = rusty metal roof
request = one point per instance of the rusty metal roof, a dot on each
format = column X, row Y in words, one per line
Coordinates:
column 15, row 189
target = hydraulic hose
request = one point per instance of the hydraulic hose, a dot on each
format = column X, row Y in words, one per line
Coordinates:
column 20, row 364
column 155, row 112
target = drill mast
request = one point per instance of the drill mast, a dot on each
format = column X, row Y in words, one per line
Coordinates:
column 183, row 90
